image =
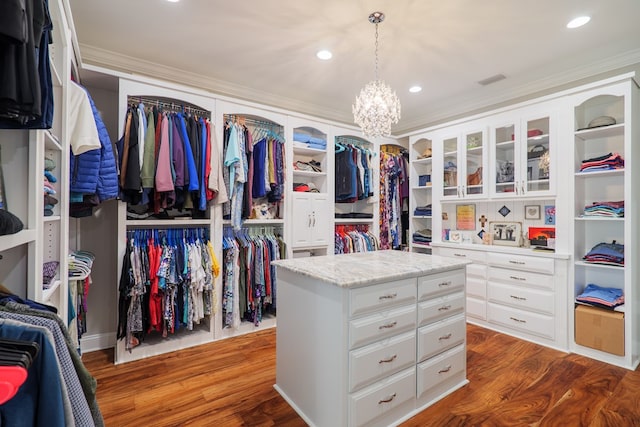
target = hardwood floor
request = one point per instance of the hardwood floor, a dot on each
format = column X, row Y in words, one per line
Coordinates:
column 230, row 383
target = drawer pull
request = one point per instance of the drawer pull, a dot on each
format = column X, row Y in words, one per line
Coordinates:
column 517, row 278
column 460, row 255
column 444, row 308
column 388, row 360
column 388, row 325
column 517, row 320
column 441, row 284
column 444, row 337
column 387, row 399
column 445, row 370
column 518, row 298
column 517, row 262
column 388, row 296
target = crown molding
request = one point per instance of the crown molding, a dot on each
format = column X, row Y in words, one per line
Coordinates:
column 127, row 64
column 514, row 90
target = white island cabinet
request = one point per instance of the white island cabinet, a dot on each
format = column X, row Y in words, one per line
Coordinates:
column 369, row 338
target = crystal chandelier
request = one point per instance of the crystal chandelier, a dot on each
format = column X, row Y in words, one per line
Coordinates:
column 377, row 106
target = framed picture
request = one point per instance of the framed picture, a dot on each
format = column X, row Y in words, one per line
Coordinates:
column 505, row 233
column 455, row 237
column 542, row 236
column 532, row 212
column 466, row 217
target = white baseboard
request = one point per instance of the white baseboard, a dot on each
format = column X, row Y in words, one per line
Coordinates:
column 89, row 343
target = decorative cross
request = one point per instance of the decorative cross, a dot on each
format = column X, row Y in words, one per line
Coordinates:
column 483, row 219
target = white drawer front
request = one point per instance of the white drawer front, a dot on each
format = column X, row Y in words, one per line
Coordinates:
column 381, row 398
column 440, row 336
column 440, row 368
column 439, row 308
column 380, row 297
column 521, row 262
column 521, row 277
column 378, row 360
column 377, row 326
column 522, row 297
column 477, row 308
column 477, row 287
column 439, row 284
column 476, row 256
column 476, row 270
column 533, row 323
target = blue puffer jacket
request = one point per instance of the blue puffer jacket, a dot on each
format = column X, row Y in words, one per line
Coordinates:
column 94, row 172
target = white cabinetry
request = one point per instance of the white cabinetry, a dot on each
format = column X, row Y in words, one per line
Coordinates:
column 515, row 292
column 621, row 102
column 464, row 158
column 523, row 153
column 380, row 351
column 420, row 198
column 311, row 211
column 23, row 153
column 311, row 220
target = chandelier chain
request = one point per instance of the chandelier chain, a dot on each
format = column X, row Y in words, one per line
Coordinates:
column 376, row 51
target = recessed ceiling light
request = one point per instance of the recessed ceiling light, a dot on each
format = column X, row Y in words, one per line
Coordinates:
column 173, row 1
column 324, row 54
column 415, row 89
column 578, row 22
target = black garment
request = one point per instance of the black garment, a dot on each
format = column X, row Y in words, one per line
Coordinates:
column 132, row 186
column 344, row 177
column 13, row 21
column 124, row 290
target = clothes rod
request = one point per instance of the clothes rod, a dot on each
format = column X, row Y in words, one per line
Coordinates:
column 169, row 104
column 248, row 120
column 354, row 141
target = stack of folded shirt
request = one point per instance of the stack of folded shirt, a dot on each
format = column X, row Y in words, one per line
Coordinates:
column 309, row 141
column 422, row 210
column 49, row 192
column 606, row 253
column 607, row 162
column 49, row 271
column 422, row 236
column 612, row 209
column 80, row 263
column 601, row 297
column 356, row 215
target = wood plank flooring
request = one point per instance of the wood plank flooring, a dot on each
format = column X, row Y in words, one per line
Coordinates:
column 230, row 383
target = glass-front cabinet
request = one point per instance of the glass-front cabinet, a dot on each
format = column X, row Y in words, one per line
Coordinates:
column 523, row 163
column 464, row 158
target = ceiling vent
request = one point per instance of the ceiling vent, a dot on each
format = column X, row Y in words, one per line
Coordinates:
column 492, row 79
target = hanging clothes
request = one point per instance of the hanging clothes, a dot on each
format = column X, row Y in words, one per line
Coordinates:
column 354, row 238
column 249, row 278
column 353, row 173
column 393, row 178
column 166, row 283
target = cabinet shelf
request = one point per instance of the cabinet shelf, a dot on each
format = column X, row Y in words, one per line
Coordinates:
column 256, row 222
column 603, row 132
column 51, row 142
column 354, row 221
column 599, row 218
column 594, row 265
column 309, row 151
column 612, row 172
column 48, row 293
column 425, row 161
column 10, row 241
column 52, row 218
column 619, row 308
column 422, row 187
column 540, row 139
column 422, row 216
column 176, row 222
column 308, row 173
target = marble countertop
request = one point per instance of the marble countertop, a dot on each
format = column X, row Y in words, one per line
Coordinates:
column 350, row 270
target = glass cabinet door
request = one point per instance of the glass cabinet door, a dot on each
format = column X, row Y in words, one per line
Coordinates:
column 504, row 176
column 450, row 172
column 474, row 150
column 536, row 174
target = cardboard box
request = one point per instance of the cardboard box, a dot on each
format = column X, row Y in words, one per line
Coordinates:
column 600, row 329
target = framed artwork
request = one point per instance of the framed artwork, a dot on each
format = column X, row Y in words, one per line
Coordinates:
column 550, row 215
column 532, row 212
column 466, row 217
column 542, row 236
column 505, row 233
column 455, row 237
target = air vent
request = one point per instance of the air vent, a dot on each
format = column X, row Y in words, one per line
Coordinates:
column 492, row 79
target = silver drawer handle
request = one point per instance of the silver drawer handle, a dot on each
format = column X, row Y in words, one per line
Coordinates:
column 517, row 320
column 388, row 296
column 444, row 337
column 447, row 369
column 517, row 262
column 388, row 325
column 444, row 283
column 460, row 255
column 444, row 308
column 518, row 298
column 517, row 278
column 387, row 400
column 388, row 360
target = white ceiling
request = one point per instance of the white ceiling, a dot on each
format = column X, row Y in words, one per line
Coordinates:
column 264, row 50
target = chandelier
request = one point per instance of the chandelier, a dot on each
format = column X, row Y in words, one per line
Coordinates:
column 377, row 106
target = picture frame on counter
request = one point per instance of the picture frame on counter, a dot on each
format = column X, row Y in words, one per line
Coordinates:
column 505, row 233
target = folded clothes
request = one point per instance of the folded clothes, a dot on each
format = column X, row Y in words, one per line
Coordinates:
column 606, row 253
column 301, row 137
column 601, row 296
